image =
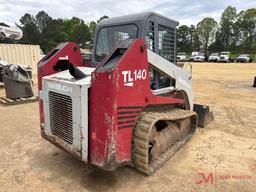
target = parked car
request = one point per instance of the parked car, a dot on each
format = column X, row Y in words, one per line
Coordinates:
column 193, row 54
column 225, row 57
column 200, row 57
column 181, row 56
column 214, row 57
column 244, row 58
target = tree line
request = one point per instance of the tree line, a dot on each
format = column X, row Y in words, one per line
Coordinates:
column 236, row 32
column 47, row 32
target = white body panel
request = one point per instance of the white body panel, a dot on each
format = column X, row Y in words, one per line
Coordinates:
column 63, row 84
column 183, row 77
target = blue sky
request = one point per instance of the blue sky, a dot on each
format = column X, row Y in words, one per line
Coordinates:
column 185, row 11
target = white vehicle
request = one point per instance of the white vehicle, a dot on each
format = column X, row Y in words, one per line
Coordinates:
column 193, row 54
column 10, row 32
column 225, row 57
column 244, row 58
column 200, row 57
column 181, row 56
column 214, row 57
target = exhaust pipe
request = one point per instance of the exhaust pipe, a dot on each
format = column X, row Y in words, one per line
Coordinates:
column 75, row 72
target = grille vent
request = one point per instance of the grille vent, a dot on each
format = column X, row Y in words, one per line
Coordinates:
column 60, row 107
column 127, row 116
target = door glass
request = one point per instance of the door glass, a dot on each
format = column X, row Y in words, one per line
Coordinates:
column 109, row 36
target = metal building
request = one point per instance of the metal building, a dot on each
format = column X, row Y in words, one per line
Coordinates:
column 21, row 54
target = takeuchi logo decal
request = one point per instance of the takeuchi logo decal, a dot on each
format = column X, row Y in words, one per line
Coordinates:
column 59, row 87
column 131, row 76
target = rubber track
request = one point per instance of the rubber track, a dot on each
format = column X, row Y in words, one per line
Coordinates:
column 145, row 123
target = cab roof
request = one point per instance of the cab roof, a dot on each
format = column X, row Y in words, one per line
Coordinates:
column 134, row 18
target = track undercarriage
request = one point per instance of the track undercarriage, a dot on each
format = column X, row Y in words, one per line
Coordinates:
column 158, row 135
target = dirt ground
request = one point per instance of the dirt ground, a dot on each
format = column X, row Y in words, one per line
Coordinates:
column 221, row 157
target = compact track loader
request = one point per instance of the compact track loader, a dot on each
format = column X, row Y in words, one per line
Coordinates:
column 132, row 106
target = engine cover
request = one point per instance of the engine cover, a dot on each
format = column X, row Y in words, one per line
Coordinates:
column 65, row 103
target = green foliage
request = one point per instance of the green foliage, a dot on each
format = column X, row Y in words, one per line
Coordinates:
column 74, row 30
column 184, row 38
column 47, row 32
column 41, row 30
column 236, row 33
column 206, row 30
column 246, row 33
column 187, row 39
column 217, row 44
column 227, row 27
column 92, row 27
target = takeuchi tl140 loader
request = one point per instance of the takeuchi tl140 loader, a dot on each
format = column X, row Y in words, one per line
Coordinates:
column 132, row 106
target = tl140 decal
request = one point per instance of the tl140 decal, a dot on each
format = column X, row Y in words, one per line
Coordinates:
column 130, row 77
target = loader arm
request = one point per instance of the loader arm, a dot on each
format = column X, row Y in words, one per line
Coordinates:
column 183, row 77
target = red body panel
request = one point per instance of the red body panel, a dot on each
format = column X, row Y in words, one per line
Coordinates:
column 114, row 106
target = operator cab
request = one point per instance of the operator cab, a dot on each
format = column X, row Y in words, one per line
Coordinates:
column 158, row 31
